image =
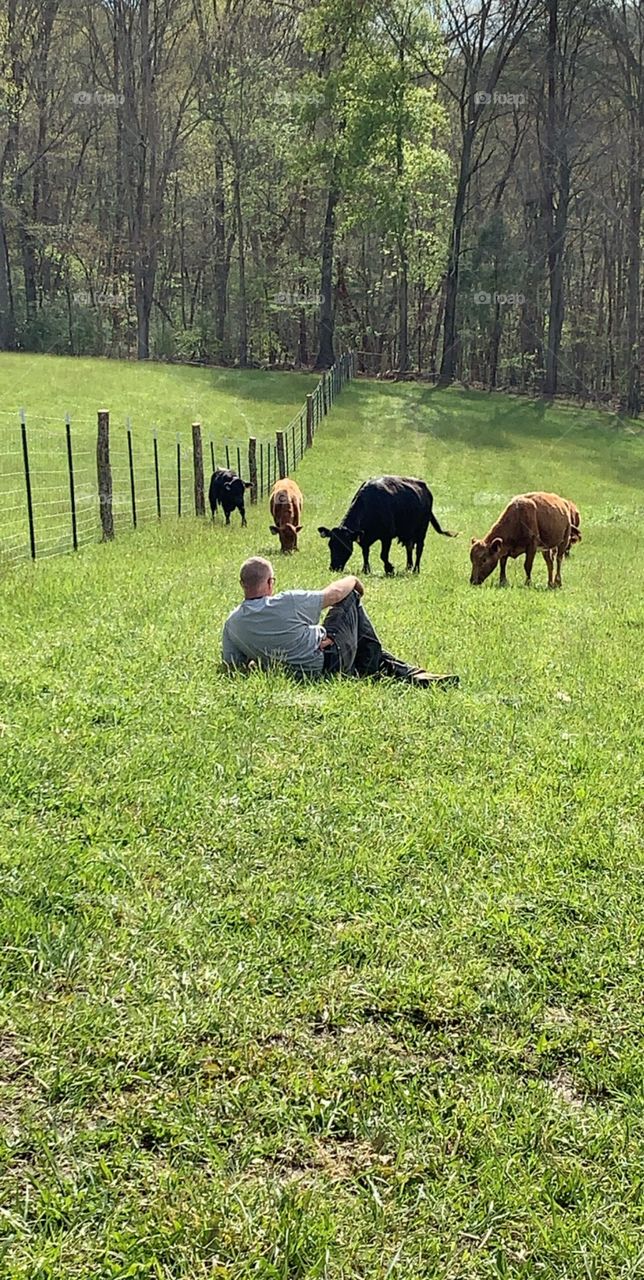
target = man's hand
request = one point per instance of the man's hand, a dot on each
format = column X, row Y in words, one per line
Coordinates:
column 338, row 591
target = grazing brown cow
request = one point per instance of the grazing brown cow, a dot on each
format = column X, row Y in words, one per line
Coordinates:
column 286, row 504
column 531, row 522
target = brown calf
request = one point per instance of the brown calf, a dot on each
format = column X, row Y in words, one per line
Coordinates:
column 531, row 522
column 286, row 504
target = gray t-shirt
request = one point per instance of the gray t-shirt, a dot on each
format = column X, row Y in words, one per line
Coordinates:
column 281, row 628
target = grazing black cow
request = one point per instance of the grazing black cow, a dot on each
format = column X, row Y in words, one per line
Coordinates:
column 383, row 509
column 227, row 490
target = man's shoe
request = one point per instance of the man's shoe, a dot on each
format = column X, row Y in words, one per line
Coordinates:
column 424, row 680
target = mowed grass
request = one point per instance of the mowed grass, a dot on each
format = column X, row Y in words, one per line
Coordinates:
column 230, row 405
column 336, row 980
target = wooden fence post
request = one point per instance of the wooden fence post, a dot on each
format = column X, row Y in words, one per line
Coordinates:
column 252, row 469
column 281, row 454
column 104, row 471
column 197, row 456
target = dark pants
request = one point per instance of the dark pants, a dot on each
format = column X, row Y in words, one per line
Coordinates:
column 356, row 649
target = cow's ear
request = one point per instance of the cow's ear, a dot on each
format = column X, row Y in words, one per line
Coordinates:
column 323, row 531
column 496, row 544
column 299, row 528
column 473, row 541
column 273, row 528
column 247, row 484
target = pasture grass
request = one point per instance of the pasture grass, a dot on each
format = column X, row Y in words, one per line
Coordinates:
column 335, row 980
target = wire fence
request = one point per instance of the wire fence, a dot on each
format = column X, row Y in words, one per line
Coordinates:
column 66, row 484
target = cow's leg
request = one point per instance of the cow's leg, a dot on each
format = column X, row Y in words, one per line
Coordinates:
column 420, row 545
column 549, row 557
column 531, row 551
column 365, row 547
column 503, row 581
column 385, row 548
column 562, row 550
column 228, row 517
column 242, row 510
column 409, row 548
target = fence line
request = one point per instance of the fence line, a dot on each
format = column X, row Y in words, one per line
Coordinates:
column 65, row 486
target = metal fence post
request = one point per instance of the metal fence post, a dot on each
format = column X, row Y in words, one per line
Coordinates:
column 30, row 505
column 310, row 425
column 70, row 468
column 131, row 465
column 157, row 482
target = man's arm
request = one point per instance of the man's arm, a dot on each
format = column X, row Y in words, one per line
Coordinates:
column 230, row 654
column 339, row 590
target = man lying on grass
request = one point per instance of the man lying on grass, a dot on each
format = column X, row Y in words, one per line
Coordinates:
column 286, row 628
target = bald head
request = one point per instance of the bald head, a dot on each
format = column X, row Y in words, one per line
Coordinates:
column 257, row 577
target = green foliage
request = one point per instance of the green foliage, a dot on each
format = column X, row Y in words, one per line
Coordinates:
column 334, row 980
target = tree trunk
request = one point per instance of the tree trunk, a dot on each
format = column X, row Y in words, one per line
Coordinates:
column 633, row 401
column 241, row 263
column 302, row 336
column 221, row 257
column 403, row 255
column 449, row 359
column 7, row 315
column 326, row 355
column 433, row 350
column 495, row 343
column 556, row 199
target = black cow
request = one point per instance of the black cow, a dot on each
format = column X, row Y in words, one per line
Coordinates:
column 383, row 509
column 227, row 490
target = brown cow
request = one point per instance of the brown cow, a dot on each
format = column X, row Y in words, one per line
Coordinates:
column 575, row 525
column 531, row 522
column 286, row 504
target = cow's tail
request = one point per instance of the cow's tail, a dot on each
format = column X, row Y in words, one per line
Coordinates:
column 435, row 525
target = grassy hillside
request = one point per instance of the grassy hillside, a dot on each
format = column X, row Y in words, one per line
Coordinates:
column 336, row 980
column 230, row 401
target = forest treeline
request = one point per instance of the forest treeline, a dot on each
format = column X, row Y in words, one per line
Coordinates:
column 453, row 189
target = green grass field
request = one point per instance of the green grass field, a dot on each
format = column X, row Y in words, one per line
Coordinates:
column 230, row 405
column 337, row 980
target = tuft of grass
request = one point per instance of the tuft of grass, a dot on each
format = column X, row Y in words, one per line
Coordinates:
column 343, row 979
